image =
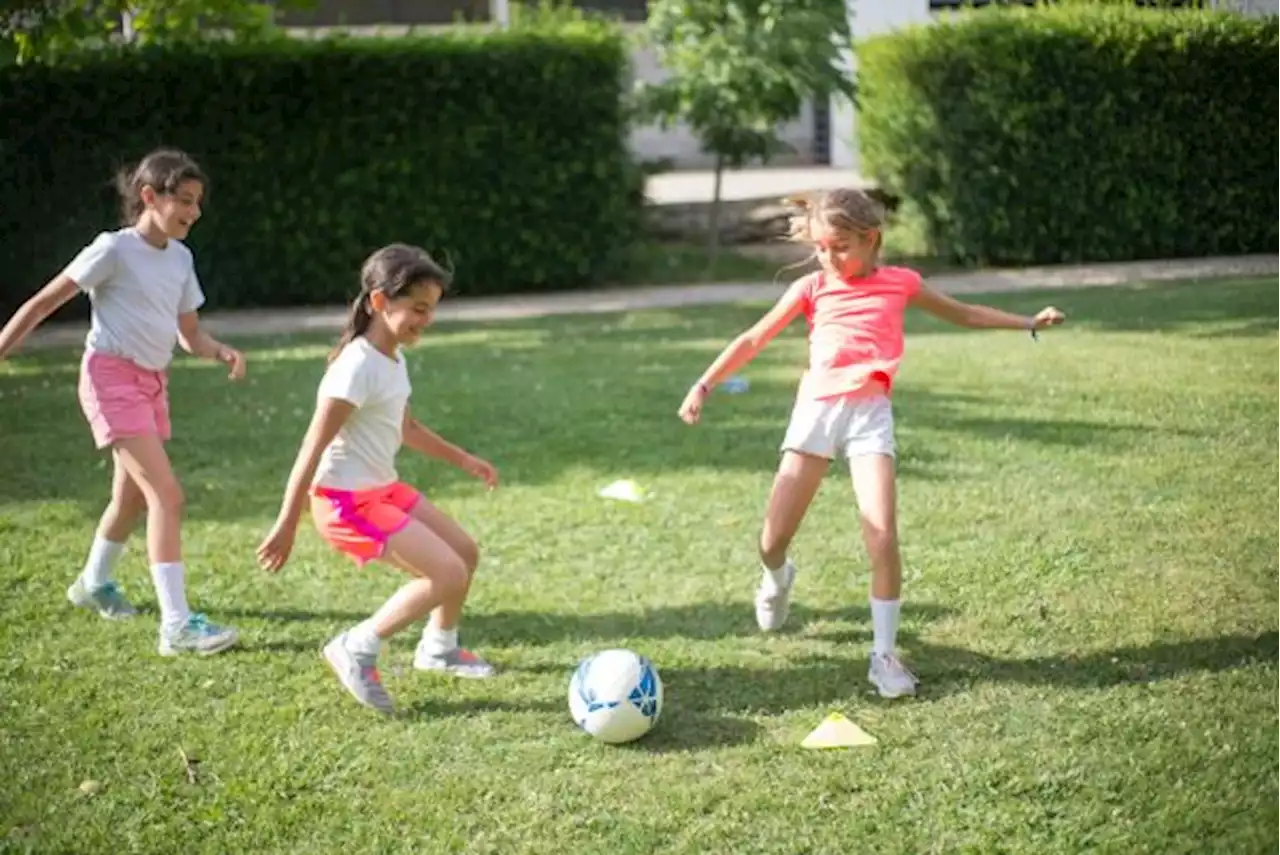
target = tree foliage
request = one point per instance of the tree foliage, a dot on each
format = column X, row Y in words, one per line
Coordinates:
column 52, row 31
column 738, row 69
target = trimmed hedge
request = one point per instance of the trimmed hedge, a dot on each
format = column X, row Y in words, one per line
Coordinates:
column 501, row 153
column 1086, row 133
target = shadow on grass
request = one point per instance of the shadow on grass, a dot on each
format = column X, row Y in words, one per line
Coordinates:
column 680, row 730
column 443, row 707
column 705, row 705
column 490, row 630
column 814, row 682
column 946, row 670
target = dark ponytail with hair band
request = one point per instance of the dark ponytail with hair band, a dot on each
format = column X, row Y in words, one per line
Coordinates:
column 358, row 319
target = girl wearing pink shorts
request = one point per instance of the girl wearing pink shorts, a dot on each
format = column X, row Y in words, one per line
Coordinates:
column 144, row 293
column 345, row 471
column 854, row 308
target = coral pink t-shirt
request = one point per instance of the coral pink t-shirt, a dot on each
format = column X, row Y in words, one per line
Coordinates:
column 855, row 330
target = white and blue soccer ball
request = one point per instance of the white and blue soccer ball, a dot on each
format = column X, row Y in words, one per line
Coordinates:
column 615, row 695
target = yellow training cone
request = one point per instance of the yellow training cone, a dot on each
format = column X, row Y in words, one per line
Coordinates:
column 836, row 731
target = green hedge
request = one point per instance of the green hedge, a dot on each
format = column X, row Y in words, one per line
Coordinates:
column 503, row 153
column 1078, row 133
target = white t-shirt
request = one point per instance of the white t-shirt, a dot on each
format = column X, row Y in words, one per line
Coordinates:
column 137, row 292
column 363, row 454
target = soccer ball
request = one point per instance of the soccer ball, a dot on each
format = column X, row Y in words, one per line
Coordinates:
column 615, row 695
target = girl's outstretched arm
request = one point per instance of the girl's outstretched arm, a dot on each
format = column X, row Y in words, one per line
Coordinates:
column 34, row 311
column 423, row 440
column 982, row 317
column 745, row 348
column 330, row 415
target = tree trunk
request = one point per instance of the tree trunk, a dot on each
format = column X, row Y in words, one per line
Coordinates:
column 127, row 33
column 713, row 218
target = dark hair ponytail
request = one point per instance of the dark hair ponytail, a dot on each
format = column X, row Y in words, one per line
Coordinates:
column 357, row 322
column 393, row 270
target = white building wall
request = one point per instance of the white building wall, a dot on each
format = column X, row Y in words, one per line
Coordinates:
column 1250, row 7
column 867, row 18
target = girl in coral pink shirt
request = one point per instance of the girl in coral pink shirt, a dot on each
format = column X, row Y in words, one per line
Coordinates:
column 854, row 308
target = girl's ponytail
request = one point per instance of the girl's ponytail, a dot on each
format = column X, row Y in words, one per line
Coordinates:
column 357, row 323
column 800, row 219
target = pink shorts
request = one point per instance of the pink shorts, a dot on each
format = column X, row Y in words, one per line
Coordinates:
column 122, row 399
column 360, row 522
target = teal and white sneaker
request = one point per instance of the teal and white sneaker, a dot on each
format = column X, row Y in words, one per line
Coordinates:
column 108, row 601
column 198, row 635
column 459, row 662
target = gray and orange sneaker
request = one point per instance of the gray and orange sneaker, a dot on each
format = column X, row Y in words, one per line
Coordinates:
column 358, row 675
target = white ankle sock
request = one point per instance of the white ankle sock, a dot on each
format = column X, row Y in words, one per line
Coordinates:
column 362, row 640
column 171, row 594
column 103, row 555
column 778, row 577
column 439, row 640
column 884, row 625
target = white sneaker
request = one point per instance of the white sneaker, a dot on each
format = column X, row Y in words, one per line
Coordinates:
column 890, row 677
column 773, row 601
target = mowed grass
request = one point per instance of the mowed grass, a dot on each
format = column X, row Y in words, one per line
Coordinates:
column 1089, row 531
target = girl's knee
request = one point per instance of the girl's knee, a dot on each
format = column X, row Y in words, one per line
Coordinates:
column 881, row 540
column 469, row 552
column 168, row 496
column 452, row 576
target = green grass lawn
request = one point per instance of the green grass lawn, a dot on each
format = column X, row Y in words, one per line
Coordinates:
column 1089, row 531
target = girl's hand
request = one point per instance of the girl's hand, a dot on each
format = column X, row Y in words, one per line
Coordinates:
column 691, row 408
column 1049, row 317
column 234, row 359
column 274, row 551
column 482, row 469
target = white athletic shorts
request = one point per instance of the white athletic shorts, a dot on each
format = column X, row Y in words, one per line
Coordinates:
column 848, row 426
